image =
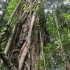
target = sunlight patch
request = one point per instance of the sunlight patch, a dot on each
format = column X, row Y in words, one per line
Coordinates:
column 1, row 12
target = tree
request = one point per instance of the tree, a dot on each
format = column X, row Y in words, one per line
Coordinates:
column 34, row 40
column 19, row 52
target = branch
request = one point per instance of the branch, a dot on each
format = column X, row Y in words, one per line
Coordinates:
column 19, row 24
column 28, row 67
column 13, row 12
column 8, row 23
column 63, row 57
column 7, row 62
column 9, row 44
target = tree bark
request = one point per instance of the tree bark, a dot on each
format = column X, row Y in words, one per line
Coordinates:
column 7, row 62
column 26, row 45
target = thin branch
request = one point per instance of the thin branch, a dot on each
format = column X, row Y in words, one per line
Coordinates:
column 28, row 67
column 8, row 23
column 14, row 12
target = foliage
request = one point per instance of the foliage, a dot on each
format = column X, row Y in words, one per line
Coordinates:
column 66, row 15
column 64, row 30
column 11, row 6
column 50, row 53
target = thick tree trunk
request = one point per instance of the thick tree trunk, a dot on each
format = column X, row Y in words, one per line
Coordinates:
column 26, row 45
column 19, row 44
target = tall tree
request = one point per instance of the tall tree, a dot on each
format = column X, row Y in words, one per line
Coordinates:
column 23, row 49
